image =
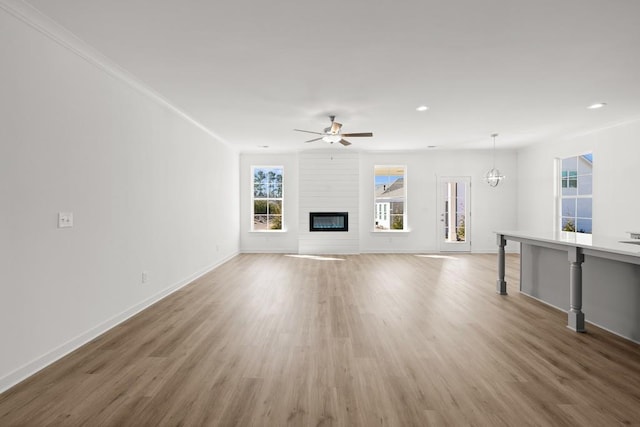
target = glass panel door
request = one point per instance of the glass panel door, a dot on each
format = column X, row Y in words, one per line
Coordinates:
column 454, row 221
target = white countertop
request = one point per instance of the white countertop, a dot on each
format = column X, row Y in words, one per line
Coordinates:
column 581, row 240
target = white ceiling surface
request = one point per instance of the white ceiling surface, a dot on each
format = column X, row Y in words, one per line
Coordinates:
column 252, row 70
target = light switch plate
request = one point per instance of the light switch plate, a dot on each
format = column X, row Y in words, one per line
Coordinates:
column 65, row 219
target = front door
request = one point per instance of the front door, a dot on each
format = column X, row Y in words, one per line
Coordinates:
column 454, row 219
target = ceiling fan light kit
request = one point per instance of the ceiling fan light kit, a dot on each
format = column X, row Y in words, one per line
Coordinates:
column 332, row 134
column 493, row 176
column 331, row 138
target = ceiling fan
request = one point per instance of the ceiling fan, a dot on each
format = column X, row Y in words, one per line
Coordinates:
column 332, row 133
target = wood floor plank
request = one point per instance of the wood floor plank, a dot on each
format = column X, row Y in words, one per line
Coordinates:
column 360, row 340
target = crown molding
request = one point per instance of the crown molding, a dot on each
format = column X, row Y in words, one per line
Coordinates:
column 65, row 38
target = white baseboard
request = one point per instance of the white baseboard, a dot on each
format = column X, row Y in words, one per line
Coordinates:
column 59, row 352
column 434, row 251
column 495, row 251
column 269, row 251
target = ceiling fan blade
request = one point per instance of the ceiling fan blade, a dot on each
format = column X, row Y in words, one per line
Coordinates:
column 358, row 134
column 344, row 142
column 309, row 131
column 335, row 127
column 315, row 139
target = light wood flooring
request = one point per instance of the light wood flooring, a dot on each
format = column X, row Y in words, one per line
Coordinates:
column 368, row 340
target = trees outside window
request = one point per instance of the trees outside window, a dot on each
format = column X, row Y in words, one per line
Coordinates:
column 267, row 198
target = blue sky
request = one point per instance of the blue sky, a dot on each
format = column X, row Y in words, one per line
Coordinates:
column 387, row 179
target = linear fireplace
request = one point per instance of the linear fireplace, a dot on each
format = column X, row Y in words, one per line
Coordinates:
column 328, row 221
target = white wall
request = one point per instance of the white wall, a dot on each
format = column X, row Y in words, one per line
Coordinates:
column 491, row 208
column 615, row 155
column 149, row 190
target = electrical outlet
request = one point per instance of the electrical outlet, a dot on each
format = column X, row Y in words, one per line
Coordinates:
column 65, row 219
column 145, row 276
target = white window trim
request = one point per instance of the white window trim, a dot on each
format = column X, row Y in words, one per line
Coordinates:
column 405, row 223
column 282, row 219
column 557, row 219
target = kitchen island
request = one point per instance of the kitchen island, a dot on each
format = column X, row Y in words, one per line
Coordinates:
column 580, row 273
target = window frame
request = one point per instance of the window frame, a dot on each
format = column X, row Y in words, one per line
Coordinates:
column 268, row 199
column 388, row 210
column 572, row 181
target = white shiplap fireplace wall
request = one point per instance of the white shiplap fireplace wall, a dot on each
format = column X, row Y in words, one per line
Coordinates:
column 329, row 182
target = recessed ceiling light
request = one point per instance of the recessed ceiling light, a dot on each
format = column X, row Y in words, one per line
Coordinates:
column 431, row 146
column 422, row 108
column 597, row 105
column 263, row 146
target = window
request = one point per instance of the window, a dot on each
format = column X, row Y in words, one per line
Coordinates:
column 266, row 202
column 390, row 197
column 576, row 193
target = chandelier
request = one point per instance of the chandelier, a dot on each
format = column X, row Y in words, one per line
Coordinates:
column 493, row 177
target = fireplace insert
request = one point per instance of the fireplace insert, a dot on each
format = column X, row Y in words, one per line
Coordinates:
column 328, row 221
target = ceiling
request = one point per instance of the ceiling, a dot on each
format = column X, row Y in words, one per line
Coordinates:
column 251, row 71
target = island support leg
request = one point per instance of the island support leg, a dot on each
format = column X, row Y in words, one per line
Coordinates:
column 575, row 315
column 501, row 285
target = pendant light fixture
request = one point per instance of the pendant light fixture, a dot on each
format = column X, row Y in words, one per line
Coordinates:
column 493, row 177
